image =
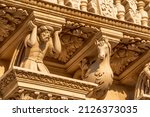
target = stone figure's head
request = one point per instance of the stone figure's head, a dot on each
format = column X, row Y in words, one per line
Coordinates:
column 45, row 32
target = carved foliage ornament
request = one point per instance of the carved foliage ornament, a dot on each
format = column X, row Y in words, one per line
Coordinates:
column 107, row 8
column 10, row 18
column 127, row 51
column 73, row 36
column 18, row 73
column 23, row 94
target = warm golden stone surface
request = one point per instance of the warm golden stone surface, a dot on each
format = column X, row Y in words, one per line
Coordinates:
column 75, row 49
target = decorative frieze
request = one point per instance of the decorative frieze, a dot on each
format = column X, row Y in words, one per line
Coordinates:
column 91, row 19
column 49, row 81
column 107, row 8
column 26, row 94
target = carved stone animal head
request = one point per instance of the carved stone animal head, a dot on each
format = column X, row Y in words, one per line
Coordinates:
column 104, row 48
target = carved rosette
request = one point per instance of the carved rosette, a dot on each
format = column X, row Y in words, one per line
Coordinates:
column 10, row 18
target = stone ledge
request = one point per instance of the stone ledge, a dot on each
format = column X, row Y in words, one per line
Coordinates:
column 18, row 77
column 83, row 17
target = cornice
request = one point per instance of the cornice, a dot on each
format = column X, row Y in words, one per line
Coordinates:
column 82, row 16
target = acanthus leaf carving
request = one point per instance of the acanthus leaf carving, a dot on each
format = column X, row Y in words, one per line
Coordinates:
column 73, row 37
column 10, row 18
column 126, row 52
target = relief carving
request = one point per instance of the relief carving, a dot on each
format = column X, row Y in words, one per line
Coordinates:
column 98, row 71
column 126, row 52
column 10, row 18
column 23, row 94
column 107, row 8
column 73, row 36
column 36, row 45
column 132, row 15
column 143, row 83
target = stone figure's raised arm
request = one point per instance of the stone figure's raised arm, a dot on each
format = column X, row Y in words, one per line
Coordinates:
column 31, row 38
column 56, row 42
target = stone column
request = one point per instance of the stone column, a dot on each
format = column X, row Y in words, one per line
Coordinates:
column 83, row 5
column 144, row 15
column 61, row 2
column 120, row 10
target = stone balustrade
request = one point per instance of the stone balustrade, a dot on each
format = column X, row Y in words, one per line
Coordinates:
column 135, row 11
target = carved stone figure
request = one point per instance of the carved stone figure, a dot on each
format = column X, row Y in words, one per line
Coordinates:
column 143, row 83
column 36, row 45
column 99, row 71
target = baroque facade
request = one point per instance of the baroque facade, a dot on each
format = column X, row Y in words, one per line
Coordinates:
column 75, row 49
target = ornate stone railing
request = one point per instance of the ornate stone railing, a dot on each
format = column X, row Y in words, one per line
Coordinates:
column 135, row 11
column 19, row 83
